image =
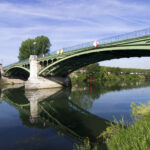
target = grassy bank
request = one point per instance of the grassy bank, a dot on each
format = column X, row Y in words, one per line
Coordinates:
column 120, row 137
column 134, row 137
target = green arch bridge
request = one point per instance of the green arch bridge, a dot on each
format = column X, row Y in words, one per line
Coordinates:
column 134, row 44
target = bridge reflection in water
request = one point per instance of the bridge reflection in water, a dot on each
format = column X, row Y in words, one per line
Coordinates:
column 52, row 108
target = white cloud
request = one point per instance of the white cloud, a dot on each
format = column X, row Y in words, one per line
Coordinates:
column 67, row 23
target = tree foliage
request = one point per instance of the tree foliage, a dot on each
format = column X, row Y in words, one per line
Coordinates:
column 37, row 46
column 102, row 73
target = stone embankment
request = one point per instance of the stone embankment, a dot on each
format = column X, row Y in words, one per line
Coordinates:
column 5, row 80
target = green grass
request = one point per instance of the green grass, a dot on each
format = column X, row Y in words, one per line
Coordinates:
column 120, row 137
column 134, row 137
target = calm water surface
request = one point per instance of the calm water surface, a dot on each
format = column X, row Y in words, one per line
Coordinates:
column 56, row 119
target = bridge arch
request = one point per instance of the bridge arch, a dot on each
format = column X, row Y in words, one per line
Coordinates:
column 17, row 72
column 66, row 65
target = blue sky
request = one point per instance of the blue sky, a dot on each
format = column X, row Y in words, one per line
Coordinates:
column 70, row 22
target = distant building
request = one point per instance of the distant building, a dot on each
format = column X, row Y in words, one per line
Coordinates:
column 108, row 73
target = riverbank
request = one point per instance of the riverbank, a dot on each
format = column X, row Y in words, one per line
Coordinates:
column 5, row 81
column 119, row 136
column 96, row 73
column 1, row 82
column 136, row 136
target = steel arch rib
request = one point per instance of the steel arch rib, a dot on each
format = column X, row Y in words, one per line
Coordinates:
column 124, row 48
column 18, row 67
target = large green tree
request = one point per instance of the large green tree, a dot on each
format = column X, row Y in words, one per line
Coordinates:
column 37, row 46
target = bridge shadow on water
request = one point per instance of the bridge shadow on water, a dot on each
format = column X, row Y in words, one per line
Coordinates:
column 48, row 108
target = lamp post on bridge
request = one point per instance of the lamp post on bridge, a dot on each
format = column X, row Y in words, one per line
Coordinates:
column 34, row 43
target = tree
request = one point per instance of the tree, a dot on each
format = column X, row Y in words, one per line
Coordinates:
column 42, row 45
column 37, row 46
column 92, row 69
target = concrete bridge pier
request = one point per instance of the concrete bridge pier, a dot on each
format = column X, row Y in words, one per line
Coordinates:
column 0, row 71
column 36, row 82
column 65, row 81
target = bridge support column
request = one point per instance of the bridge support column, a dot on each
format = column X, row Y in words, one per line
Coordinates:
column 36, row 82
column 0, row 71
column 33, row 67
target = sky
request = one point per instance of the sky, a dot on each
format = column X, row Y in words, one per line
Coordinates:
column 70, row 22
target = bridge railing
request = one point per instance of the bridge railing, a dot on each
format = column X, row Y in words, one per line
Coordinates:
column 121, row 37
column 112, row 39
column 118, row 38
column 21, row 61
column 126, row 36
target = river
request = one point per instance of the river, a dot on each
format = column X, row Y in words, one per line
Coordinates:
column 58, row 119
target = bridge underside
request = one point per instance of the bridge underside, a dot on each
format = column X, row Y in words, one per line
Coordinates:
column 67, row 66
column 62, row 68
column 17, row 73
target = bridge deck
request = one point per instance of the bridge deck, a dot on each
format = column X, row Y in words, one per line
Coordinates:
column 135, row 44
column 115, row 40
